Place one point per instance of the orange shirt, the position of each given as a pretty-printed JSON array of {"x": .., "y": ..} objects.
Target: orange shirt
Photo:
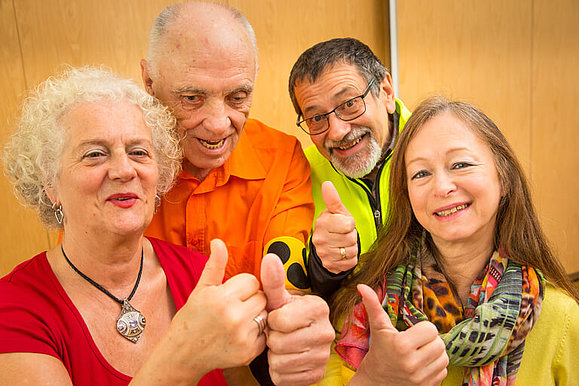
[{"x": 263, "y": 191}]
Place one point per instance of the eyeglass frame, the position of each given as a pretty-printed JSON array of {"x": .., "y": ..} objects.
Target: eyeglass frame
[{"x": 326, "y": 115}]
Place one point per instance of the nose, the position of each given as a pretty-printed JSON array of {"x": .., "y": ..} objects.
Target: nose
[
  {"x": 217, "y": 119},
  {"x": 121, "y": 168},
  {"x": 444, "y": 184},
  {"x": 337, "y": 128}
]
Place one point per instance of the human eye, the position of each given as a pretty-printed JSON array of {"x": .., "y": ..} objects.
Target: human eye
[
  {"x": 419, "y": 174},
  {"x": 349, "y": 107},
  {"x": 93, "y": 154},
  {"x": 317, "y": 118},
  {"x": 191, "y": 101},
  {"x": 139, "y": 153},
  {"x": 237, "y": 98},
  {"x": 460, "y": 165}
]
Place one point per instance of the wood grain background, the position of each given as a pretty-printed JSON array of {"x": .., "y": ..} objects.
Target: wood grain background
[{"x": 515, "y": 59}]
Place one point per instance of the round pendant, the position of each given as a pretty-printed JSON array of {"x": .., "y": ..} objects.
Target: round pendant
[{"x": 130, "y": 323}]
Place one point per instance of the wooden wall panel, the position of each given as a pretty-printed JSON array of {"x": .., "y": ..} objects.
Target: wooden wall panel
[
  {"x": 517, "y": 60},
  {"x": 22, "y": 234},
  {"x": 285, "y": 29},
  {"x": 476, "y": 51},
  {"x": 115, "y": 33},
  {"x": 554, "y": 123}
]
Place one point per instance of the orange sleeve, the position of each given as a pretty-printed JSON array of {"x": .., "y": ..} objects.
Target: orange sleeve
[
  {"x": 291, "y": 221},
  {"x": 294, "y": 213}
]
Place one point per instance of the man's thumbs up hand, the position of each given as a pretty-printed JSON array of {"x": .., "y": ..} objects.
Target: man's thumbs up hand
[{"x": 335, "y": 236}]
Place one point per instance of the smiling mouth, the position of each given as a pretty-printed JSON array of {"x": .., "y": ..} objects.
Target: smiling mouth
[
  {"x": 212, "y": 145},
  {"x": 351, "y": 144},
  {"x": 445, "y": 213}
]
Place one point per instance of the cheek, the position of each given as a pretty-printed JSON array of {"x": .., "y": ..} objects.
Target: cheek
[
  {"x": 186, "y": 120},
  {"x": 417, "y": 203}
]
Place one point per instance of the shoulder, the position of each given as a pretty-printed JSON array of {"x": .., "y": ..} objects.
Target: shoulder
[
  {"x": 36, "y": 315},
  {"x": 554, "y": 340},
  {"x": 26, "y": 275},
  {"x": 558, "y": 306}
]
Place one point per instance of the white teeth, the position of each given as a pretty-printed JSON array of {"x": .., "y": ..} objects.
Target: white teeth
[
  {"x": 212, "y": 145},
  {"x": 448, "y": 212},
  {"x": 350, "y": 145}
]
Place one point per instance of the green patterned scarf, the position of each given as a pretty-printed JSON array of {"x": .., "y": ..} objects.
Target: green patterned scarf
[{"x": 486, "y": 336}]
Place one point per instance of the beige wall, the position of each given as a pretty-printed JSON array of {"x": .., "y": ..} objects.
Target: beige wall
[
  {"x": 38, "y": 36},
  {"x": 517, "y": 60}
]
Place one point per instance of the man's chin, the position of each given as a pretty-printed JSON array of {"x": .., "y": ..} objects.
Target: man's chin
[{"x": 352, "y": 167}]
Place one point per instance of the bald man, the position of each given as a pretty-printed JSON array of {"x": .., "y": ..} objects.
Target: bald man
[{"x": 242, "y": 181}]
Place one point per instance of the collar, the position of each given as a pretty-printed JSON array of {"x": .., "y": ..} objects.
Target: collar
[{"x": 244, "y": 162}]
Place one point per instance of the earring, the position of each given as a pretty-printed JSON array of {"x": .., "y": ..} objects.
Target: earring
[
  {"x": 157, "y": 202},
  {"x": 58, "y": 214}
]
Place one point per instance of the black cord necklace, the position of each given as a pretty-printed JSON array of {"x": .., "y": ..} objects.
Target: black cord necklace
[{"x": 130, "y": 323}]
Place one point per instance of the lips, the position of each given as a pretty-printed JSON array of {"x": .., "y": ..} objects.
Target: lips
[
  {"x": 451, "y": 211},
  {"x": 347, "y": 143},
  {"x": 212, "y": 145},
  {"x": 123, "y": 200},
  {"x": 351, "y": 144}
]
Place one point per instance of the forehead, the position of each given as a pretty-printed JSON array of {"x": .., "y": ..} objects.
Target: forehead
[
  {"x": 332, "y": 86},
  {"x": 208, "y": 53},
  {"x": 105, "y": 120},
  {"x": 443, "y": 134}
]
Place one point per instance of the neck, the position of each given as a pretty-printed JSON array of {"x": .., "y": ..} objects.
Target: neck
[
  {"x": 387, "y": 147},
  {"x": 112, "y": 263},
  {"x": 196, "y": 172},
  {"x": 463, "y": 263}
]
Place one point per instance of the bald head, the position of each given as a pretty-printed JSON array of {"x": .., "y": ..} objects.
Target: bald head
[
  {"x": 211, "y": 26},
  {"x": 202, "y": 64}
]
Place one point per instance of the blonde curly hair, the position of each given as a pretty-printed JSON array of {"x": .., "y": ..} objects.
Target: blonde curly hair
[{"x": 32, "y": 155}]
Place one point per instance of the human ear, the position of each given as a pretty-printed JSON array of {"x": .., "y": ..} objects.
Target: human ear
[
  {"x": 145, "y": 75},
  {"x": 387, "y": 94}
]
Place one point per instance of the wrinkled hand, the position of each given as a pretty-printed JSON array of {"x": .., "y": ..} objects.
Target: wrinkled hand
[
  {"x": 299, "y": 333},
  {"x": 335, "y": 228},
  {"x": 413, "y": 357},
  {"x": 216, "y": 324}
]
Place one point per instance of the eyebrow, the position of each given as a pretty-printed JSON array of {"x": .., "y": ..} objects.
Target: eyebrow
[
  {"x": 191, "y": 90},
  {"x": 337, "y": 95},
  {"x": 104, "y": 142},
  {"x": 450, "y": 151}
]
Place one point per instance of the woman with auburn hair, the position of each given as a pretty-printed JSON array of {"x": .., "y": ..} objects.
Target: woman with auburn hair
[{"x": 461, "y": 286}]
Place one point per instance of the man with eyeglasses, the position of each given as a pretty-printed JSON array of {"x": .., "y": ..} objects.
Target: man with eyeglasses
[{"x": 345, "y": 101}]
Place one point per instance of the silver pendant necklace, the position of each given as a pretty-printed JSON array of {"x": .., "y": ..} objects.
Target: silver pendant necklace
[{"x": 130, "y": 323}]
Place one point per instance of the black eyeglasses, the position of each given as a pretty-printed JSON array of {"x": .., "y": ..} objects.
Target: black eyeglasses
[{"x": 346, "y": 111}]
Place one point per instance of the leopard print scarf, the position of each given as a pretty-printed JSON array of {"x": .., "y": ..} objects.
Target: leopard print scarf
[{"x": 486, "y": 336}]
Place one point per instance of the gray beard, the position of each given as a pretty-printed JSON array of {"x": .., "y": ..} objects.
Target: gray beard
[{"x": 360, "y": 164}]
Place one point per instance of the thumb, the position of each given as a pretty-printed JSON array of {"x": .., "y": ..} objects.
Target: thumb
[
  {"x": 377, "y": 317},
  {"x": 273, "y": 282},
  {"x": 215, "y": 268},
  {"x": 332, "y": 199}
]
